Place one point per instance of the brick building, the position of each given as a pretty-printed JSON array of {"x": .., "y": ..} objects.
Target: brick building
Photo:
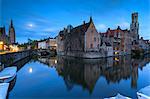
[
  {"x": 119, "y": 39},
  {"x": 79, "y": 41}
]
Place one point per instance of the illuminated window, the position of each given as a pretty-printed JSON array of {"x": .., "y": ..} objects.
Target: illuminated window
[
  {"x": 1, "y": 42},
  {"x": 116, "y": 59},
  {"x": 116, "y": 53}
]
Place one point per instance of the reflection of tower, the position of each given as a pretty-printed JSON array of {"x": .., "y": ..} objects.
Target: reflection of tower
[
  {"x": 134, "y": 27},
  {"x": 12, "y": 33},
  {"x": 134, "y": 77}
]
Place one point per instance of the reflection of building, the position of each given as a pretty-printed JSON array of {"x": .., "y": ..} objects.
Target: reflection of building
[
  {"x": 76, "y": 72},
  {"x": 86, "y": 72},
  {"x": 48, "y": 61}
]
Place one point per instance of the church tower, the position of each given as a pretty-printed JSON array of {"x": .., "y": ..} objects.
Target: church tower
[
  {"x": 12, "y": 33},
  {"x": 134, "y": 27}
]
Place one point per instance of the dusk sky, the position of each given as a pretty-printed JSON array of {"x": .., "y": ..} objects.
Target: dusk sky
[{"x": 38, "y": 19}]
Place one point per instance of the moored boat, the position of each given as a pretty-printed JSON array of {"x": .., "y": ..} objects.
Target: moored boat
[
  {"x": 8, "y": 74},
  {"x": 3, "y": 90},
  {"x": 118, "y": 96},
  {"x": 144, "y": 93}
]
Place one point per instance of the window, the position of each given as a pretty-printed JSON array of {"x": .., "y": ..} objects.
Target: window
[
  {"x": 135, "y": 24},
  {"x": 95, "y": 39},
  {"x": 98, "y": 46},
  {"x": 91, "y": 45}
]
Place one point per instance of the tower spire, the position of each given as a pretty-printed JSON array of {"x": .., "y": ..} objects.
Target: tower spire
[
  {"x": 11, "y": 23},
  {"x": 91, "y": 19},
  {"x": 12, "y": 37}
]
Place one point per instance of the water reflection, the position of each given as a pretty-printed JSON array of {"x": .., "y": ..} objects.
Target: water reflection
[
  {"x": 30, "y": 70},
  {"x": 50, "y": 61},
  {"x": 86, "y": 72}
]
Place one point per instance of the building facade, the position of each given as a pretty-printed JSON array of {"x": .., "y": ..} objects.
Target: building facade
[
  {"x": 12, "y": 35},
  {"x": 119, "y": 39},
  {"x": 85, "y": 41},
  {"x": 107, "y": 47},
  {"x": 81, "y": 41},
  {"x": 49, "y": 43},
  {"x": 134, "y": 28},
  {"x": 5, "y": 39}
]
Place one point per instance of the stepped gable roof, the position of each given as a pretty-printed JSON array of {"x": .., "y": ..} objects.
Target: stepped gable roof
[{"x": 113, "y": 31}]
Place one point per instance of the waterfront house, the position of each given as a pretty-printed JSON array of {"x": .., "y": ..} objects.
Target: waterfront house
[
  {"x": 143, "y": 44},
  {"x": 81, "y": 41},
  {"x": 107, "y": 47},
  {"x": 43, "y": 44},
  {"x": 49, "y": 43},
  {"x": 119, "y": 39}
]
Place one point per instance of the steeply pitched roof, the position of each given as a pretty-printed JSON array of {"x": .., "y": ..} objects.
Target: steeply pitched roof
[
  {"x": 79, "y": 29},
  {"x": 112, "y": 32}
]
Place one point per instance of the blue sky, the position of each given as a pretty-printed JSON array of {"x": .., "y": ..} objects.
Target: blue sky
[{"x": 37, "y": 19}]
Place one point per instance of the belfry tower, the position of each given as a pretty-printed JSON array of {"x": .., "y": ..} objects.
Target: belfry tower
[
  {"x": 12, "y": 36},
  {"x": 134, "y": 27}
]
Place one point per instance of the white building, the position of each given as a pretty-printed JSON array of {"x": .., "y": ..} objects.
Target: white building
[
  {"x": 107, "y": 48},
  {"x": 49, "y": 43},
  {"x": 42, "y": 44}
]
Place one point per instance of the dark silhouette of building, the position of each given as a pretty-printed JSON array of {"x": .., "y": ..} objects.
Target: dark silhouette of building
[{"x": 12, "y": 33}]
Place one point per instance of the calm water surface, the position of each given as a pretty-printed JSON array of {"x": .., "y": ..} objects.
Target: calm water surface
[{"x": 61, "y": 77}]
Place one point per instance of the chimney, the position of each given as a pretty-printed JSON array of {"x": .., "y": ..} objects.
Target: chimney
[
  {"x": 118, "y": 28},
  {"x": 91, "y": 19},
  {"x": 83, "y": 22}
]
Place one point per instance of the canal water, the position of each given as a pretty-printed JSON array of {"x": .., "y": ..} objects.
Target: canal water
[{"x": 67, "y": 77}]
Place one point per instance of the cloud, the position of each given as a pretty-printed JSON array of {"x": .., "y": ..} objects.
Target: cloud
[
  {"x": 50, "y": 29},
  {"x": 124, "y": 25},
  {"x": 101, "y": 27}
]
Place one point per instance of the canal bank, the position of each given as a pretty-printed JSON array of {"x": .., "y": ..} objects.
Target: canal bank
[{"x": 11, "y": 58}]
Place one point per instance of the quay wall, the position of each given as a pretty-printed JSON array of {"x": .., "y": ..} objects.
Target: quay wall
[
  {"x": 10, "y": 58},
  {"x": 89, "y": 55}
]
